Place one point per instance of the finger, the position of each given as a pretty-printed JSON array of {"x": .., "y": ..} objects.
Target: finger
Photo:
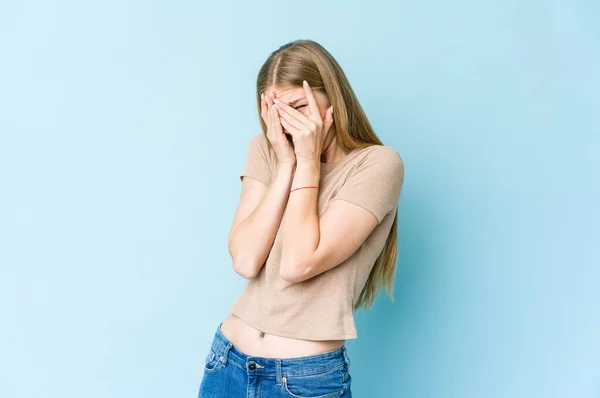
[
  {"x": 291, "y": 111},
  {"x": 291, "y": 129},
  {"x": 292, "y": 121},
  {"x": 278, "y": 128},
  {"x": 274, "y": 123},
  {"x": 269, "y": 97},
  {"x": 312, "y": 101}
]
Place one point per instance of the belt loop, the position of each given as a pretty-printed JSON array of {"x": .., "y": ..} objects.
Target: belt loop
[
  {"x": 346, "y": 356},
  {"x": 278, "y": 371},
  {"x": 226, "y": 352}
]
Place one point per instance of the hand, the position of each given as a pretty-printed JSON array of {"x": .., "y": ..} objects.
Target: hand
[
  {"x": 282, "y": 147},
  {"x": 308, "y": 133}
]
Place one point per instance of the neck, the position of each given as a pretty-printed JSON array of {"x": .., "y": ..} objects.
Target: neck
[{"x": 332, "y": 152}]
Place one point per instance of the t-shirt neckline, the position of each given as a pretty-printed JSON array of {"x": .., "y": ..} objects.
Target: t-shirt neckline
[{"x": 329, "y": 167}]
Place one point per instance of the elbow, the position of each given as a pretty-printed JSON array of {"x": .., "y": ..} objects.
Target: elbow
[
  {"x": 246, "y": 268},
  {"x": 292, "y": 272}
]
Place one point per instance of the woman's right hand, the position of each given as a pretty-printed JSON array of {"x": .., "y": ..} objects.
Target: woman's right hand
[{"x": 281, "y": 145}]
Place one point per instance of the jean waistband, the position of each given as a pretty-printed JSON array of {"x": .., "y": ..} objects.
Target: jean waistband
[{"x": 298, "y": 366}]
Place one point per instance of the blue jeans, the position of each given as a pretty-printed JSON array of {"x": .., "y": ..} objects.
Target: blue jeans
[{"x": 230, "y": 373}]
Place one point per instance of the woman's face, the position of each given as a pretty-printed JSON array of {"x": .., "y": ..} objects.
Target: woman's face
[{"x": 296, "y": 98}]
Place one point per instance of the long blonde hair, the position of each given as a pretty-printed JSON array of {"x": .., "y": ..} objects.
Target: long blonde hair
[{"x": 307, "y": 60}]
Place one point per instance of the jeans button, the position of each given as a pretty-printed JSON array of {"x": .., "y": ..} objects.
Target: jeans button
[{"x": 251, "y": 366}]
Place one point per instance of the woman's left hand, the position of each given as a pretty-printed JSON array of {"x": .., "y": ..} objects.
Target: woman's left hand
[{"x": 308, "y": 133}]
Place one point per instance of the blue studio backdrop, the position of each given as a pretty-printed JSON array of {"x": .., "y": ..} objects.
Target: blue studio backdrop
[{"x": 124, "y": 126}]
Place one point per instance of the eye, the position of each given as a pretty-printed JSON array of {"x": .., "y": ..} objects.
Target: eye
[{"x": 298, "y": 107}]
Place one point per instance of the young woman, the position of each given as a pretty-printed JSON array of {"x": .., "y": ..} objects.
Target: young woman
[{"x": 315, "y": 234}]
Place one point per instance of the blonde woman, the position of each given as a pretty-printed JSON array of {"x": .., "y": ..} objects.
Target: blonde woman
[{"x": 315, "y": 234}]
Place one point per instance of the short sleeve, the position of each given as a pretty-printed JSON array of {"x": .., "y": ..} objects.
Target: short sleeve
[
  {"x": 375, "y": 183},
  {"x": 257, "y": 164}
]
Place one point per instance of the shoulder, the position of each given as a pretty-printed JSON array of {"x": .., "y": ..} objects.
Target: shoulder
[
  {"x": 381, "y": 157},
  {"x": 259, "y": 144},
  {"x": 259, "y": 140},
  {"x": 375, "y": 180},
  {"x": 387, "y": 153}
]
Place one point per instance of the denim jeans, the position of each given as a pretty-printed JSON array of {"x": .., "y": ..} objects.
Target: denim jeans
[{"x": 230, "y": 373}]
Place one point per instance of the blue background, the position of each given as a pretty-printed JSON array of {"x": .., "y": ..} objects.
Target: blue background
[{"x": 124, "y": 126}]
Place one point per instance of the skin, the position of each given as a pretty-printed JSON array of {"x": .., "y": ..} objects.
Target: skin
[
  {"x": 294, "y": 118},
  {"x": 311, "y": 244}
]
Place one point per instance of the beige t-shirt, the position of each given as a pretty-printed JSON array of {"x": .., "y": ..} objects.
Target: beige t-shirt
[{"x": 321, "y": 308}]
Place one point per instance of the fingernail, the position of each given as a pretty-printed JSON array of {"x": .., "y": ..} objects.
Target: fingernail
[
  {"x": 305, "y": 82},
  {"x": 276, "y": 100}
]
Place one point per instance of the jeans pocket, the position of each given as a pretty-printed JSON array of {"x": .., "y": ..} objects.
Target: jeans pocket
[
  {"x": 213, "y": 361},
  {"x": 327, "y": 384}
]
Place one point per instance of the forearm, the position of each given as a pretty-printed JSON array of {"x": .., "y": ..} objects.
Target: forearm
[
  {"x": 253, "y": 238},
  {"x": 300, "y": 227}
]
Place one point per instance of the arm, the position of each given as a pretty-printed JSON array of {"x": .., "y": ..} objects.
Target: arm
[
  {"x": 300, "y": 228},
  {"x": 264, "y": 194},
  {"x": 257, "y": 220},
  {"x": 312, "y": 245}
]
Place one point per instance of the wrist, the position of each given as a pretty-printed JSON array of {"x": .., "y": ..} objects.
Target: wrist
[
  {"x": 287, "y": 165},
  {"x": 307, "y": 163},
  {"x": 306, "y": 173},
  {"x": 285, "y": 169}
]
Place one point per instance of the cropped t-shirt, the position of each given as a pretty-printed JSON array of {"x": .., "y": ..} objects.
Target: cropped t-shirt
[{"x": 321, "y": 308}]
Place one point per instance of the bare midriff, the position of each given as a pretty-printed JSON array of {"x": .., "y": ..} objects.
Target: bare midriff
[{"x": 250, "y": 341}]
